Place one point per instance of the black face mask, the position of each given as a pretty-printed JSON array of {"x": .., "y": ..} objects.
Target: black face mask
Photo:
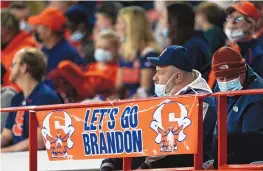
[{"x": 37, "y": 38}]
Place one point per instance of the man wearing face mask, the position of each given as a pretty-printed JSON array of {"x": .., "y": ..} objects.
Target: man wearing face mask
[
  {"x": 49, "y": 30},
  {"x": 240, "y": 27},
  {"x": 79, "y": 34},
  {"x": 176, "y": 76},
  {"x": 244, "y": 116}
]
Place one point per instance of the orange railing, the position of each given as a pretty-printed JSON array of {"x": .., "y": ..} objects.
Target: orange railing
[{"x": 198, "y": 158}]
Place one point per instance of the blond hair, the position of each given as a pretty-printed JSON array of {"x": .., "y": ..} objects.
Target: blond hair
[
  {"x": 139, "y": 34},
  {"x": 110, "y": 36}
]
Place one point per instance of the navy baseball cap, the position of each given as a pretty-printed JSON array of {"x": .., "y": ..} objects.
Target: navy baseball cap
[{"x": 177, "y": 56}]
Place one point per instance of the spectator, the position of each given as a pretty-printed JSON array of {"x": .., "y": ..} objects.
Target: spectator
[
  {"x": 21, "y": 11},
  {"x": 27, "y": 70},
  {"x": 210, "y": 19},
  {"x": 80, "y": 31},
  {"x": 98, "y": 78},
  {"x": 173, "y": 78},
  {"x": 244, "y": 116},
  {"x": 138, "y": 43},
  {"x": 181, "y": 21},
  {"x": 12, "y": 40},
  {"x": 259, "y": 34},
  {"x": 106, "y": 16},
  {"x": 50, "y": 27},
  {"x": 239, "y": 28}
]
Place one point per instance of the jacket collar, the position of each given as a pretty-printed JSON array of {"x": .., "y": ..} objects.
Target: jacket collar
[{"x": 198, "y": 84}]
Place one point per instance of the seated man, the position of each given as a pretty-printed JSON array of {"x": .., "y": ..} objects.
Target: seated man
[
  {"x": 245, "y": 119},
  {"x": 27, "y": 71},
  {"x": 174, "y": 78}
]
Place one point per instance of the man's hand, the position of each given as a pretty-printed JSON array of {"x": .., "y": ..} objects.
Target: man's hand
[{"x": 209, "y": 165}]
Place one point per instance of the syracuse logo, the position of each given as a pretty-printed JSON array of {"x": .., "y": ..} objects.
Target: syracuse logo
[
  {"x": 169, "y": 121},
  {"x": 57, "y": 131}
]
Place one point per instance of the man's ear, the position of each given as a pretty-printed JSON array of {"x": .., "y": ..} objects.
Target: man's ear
[
  {"x": 178, "y": 77},
  {"x": 23, "y": 68}
]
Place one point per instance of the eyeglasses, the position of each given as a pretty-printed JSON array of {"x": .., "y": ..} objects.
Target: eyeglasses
[{"x": 237, "y": 19}]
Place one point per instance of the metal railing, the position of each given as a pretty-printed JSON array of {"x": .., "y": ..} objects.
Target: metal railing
[{"x": 198, "y": 158}]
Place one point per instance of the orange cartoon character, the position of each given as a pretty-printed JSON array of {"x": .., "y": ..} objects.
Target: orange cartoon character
[
  {"x": 57, "y": 131},
  {"x": 169, "y": 121}
]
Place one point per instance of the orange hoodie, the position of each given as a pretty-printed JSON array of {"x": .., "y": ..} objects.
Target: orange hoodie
[{"x": 22, "y": 40}]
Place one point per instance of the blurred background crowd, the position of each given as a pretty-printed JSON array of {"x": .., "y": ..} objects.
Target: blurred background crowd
[{"x": 97, "y": 50}]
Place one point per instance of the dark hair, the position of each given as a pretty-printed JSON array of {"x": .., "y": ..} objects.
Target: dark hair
[
  {"x": 9, "y": 21},
  {"x": 110, "y": 9},
  {"x": 215, "y": 14},
  {"x": 181, "y": 19},
  {"x": 36, "y": 62}
]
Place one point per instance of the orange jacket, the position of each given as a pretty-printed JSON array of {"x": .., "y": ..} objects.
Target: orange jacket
[
  {"x": 87, "y": 83},
  {"x": 22, "y": 40}
]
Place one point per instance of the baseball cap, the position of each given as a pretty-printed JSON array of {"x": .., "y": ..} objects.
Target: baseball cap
[
  {"x": 177, "y": 56},
  {"x": 246, "y": 8},
  {"x": 51, "y": 18},
  {"x": 77, "y": 14},
  {"x": 228, "y": 62}
]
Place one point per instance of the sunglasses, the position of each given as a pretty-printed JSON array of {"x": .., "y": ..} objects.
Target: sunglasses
[{"x": 237, "y": 19}]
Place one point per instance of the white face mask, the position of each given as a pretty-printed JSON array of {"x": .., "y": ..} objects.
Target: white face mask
[
  {"x": 77, "y": 36},
  {"x": 102, "y": 55},
  {"x": 23, "y": 25},
  {"x": 159, "y": 89},
  {"x": 235, "y": 35},
  {"x": 231, "y": 85},
  {"x": 165, "y": 32}
]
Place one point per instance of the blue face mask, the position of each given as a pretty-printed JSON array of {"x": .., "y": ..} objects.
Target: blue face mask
[
  {"x": 77, "y": 36},
  {"x": 24, "y": 26},
  {"x": 231, "y": 85}
]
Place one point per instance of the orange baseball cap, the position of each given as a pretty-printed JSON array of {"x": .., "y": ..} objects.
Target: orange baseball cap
[
  {"x": 51, "y": 18},
  {"x": 246, "y": 8}
]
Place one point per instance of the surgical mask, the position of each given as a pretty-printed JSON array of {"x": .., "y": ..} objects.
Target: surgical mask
[
  {"x": 165, "y": 32},
  {"x": 231, "y": 85},
  {"x": 77, "y": 36},
  {"x": 159, "y": 89},
  {"x": 235, "y": 35},
  {"x": 23, "y": 25},
  {"x": 102, "y": 55}
]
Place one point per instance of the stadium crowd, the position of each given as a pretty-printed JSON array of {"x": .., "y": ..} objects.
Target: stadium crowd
[{"x": 55, "y": 52}]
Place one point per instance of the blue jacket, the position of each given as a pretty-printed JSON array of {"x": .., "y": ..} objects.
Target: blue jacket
[
  {"x": 18, "y": 122},
  {"x": 63, "y": 50},
  {"x": 244, "y": 125},
  {"x": 253, "y": 54},
  {"x": 201, "y": 51},
  {"x": 198, "y": 86}
]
